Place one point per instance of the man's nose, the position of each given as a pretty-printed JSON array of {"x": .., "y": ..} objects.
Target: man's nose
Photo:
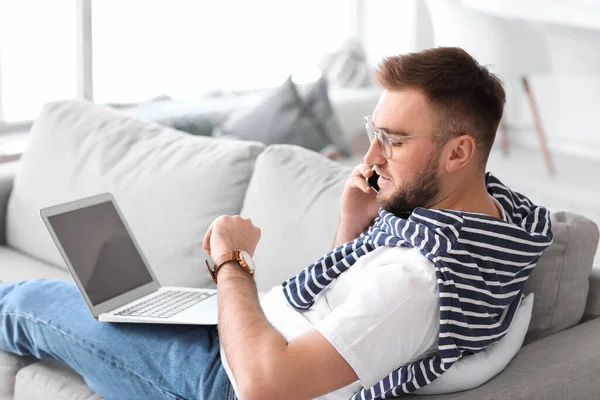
[{"x": 374, "y": 155}]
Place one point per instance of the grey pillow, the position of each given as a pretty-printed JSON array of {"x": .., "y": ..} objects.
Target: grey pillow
[
  {"x": 560, "y": 280},
  {"x": 284, "y": 117},
  {"x": 316, "y": 99}
]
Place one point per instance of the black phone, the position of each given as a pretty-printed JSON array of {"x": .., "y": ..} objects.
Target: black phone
[{"x": 372, "y": 181}]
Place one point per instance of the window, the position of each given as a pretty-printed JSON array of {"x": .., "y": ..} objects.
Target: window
[
  {"x": 185, "y": 48},
  {"x": 135, "y": 50},
  {"x": 38, "y": 57}
]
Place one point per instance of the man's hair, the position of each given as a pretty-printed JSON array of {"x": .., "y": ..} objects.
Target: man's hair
[{"x": 465, "y": 96}]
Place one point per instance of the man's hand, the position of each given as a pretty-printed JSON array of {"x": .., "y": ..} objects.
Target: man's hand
[
  {"x": 228, "y": 233},
  {"x": 359, "y": 205}
]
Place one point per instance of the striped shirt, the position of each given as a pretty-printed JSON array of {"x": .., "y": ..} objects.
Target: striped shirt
[{"x": 481, "y": 264}]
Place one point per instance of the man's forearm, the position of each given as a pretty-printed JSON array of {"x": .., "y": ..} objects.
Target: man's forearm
[{"x": 250, "y": 341}]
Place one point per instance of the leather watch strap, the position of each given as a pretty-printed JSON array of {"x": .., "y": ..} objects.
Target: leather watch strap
[
  {"x": 222, "y": 260},
  {"x": 235, "y": 255}
]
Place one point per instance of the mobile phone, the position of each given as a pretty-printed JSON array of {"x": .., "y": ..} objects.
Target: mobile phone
[{"x": 372, "y": 181}]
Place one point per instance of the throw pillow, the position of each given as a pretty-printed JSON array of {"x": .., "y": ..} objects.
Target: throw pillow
[
  {"x": 474, "y": 370},
  {"x": 284, "y": 117},
  {"x": 316, "y": 98}
]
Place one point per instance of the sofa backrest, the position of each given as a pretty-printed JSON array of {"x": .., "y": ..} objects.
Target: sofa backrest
[
  {"x": 560, "y": 281},
  {"x": 592, "y": 307},
  {"x": 169, "y": 185}
]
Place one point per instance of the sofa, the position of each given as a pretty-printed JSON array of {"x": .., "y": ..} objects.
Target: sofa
[{"x": 171, "y": 186}]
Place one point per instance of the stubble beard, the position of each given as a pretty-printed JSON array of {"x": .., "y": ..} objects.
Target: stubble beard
[{"x": 422, "y": 190}]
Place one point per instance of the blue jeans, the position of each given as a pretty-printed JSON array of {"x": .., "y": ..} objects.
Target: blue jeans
[{"x": 50, "y": 320}]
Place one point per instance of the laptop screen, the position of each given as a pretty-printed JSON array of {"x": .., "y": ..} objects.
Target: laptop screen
[{"x": 100, "y": 251}]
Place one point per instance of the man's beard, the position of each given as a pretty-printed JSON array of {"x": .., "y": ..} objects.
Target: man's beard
[{"x": 424, "y": 188}]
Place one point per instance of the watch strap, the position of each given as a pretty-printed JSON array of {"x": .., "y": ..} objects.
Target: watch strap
[{"x": 235, "y": 255}]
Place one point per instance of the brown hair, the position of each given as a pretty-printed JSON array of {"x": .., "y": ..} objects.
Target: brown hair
[{"x": 466, "y": 97}]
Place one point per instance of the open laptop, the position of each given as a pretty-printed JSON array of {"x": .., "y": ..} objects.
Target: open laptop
[{"x": 111, "y": 272}]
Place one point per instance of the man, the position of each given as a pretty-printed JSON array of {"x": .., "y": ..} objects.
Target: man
[{"x": 408, "y": 284}]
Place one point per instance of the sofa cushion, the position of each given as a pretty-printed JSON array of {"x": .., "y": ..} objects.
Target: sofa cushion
[
  {"x": 16, "y": 266},
  {"x": 51, "y": 380},
  {"x": 294, "y": 197},
  {"x": 10, "y": 364},
  {"x": 169, "y": 185},
  {"x": 561, "y": 278}
]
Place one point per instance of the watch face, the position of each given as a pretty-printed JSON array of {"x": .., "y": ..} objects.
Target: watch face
[{"x": 248, "y": 260}]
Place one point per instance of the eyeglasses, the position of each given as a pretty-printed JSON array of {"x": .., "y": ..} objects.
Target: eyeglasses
[{"x": 387, "y": 142}]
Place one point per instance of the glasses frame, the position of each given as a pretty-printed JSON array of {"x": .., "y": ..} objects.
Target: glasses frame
[{"x": 386, "y": 141}]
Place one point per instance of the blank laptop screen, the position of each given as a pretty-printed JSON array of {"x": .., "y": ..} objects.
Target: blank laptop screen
[{"x": 100, "y": 251}]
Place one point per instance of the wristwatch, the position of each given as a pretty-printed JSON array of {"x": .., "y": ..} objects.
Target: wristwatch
[{"x": 240, "y": 256}]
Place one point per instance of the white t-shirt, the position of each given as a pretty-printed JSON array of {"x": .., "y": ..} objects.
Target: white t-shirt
[{"x": 379, "y": 315}]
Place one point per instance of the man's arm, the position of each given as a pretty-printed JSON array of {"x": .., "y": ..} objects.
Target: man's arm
[
  {"x": 359, "y": 206},
  {"x": 345, "y": 234},
  {"x": 264, "y": 364}
]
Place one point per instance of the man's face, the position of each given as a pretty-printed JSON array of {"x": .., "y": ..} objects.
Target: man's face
[{"x": 411, "y": 178}]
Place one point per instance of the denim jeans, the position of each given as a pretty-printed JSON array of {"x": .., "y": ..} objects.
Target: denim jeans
[{"x": 50, "y": 320}]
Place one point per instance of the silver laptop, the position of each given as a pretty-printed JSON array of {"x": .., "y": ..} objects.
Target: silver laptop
[{"x": 111, "y": 272}]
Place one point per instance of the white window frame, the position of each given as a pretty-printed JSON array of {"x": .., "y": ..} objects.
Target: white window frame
[
  {"x": 85, "y": 86},
  {"x": 85, "y": 70}
]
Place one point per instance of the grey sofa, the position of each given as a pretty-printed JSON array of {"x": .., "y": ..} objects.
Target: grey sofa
[{"x": 171, "y": 185}]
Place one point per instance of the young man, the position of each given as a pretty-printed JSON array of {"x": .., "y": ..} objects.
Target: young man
[{"x": 428, "y": 269}]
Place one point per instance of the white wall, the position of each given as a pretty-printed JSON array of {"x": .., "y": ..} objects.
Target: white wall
[
  {"x": 394, "y": 27},
  {"x": 568, "y": 98}
]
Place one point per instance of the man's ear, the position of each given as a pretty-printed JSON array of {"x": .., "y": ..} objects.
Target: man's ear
[{"x": 460, "y": 151}]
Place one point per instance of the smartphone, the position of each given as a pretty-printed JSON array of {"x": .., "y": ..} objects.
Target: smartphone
[{"x": 372, "y": 181}]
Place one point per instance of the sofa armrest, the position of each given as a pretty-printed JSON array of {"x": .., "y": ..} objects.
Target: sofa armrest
[
  {"x": 7, "y": 174},
  {"x": 592, "y": 307},
  {"x": 565, "y": 365}
]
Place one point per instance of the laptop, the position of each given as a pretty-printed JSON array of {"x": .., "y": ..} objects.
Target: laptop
[{"x": 111, "y": 271}]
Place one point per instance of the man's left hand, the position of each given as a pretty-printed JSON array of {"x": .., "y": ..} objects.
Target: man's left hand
[{"x": 228, "y": 233}]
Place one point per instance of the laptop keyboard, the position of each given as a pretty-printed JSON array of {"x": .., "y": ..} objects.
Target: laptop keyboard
[{"x": 166, "y": 304}]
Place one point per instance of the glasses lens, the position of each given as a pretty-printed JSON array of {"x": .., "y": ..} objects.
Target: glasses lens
[
  {"x": 369, "y": 126},
  {"x": 384, "y": 144}
]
